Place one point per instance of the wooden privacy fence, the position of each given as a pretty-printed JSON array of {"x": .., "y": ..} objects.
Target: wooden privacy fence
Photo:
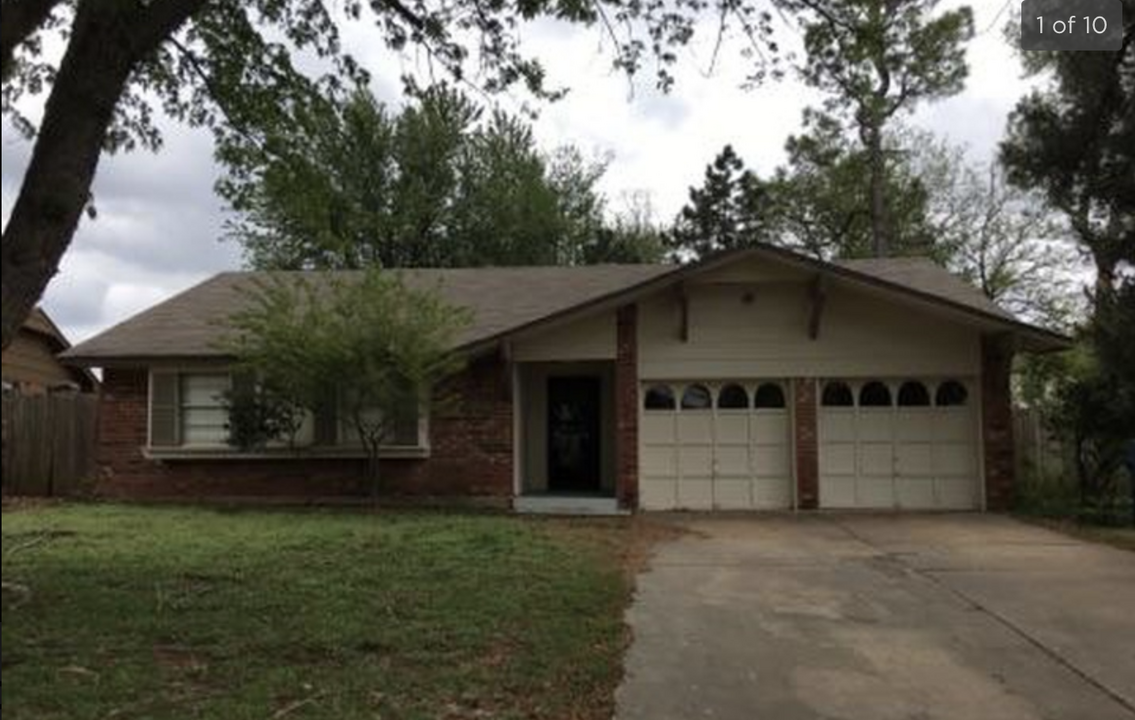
[{"x": 49, "y": 443}]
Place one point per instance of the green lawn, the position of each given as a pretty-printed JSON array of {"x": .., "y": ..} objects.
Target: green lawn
[
  {"x": 143, "y": 612},
  {"x": 1120, "y": 537}
]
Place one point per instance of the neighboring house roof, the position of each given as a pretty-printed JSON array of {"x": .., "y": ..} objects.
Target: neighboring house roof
[
  {"x": 38, "y": 322},
  {"x": 40, "y": 326},
  {"x": 508, "y": 300}
]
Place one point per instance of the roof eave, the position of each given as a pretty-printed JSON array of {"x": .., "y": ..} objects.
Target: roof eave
[{"x": 139, "y": 359}]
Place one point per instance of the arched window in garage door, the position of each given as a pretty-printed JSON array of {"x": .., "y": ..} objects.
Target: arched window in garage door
[
  {"x": 913, "y": 394},
  {"x": 733, "y": 397},
  {"x": 874, "y": 394},
  {"x": 768, "y": 396},
  {"x": 717, "y": 451},
  {"x": 697, "y": 397},
  {"x": 898, "y": 451},
  {"x": 659, "y": 397},
  {"x": 951, "y": 393},
  {"x": 837, "y": 394}
]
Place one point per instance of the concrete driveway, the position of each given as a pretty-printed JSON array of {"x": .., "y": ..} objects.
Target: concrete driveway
[{"x": 881, "y": 618}]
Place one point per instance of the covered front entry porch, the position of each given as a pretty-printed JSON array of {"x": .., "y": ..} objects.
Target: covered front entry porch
[{"x": 566, "y": 437}]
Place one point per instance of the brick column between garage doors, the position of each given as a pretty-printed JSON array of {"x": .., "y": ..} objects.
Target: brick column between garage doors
[
  {"x": 997, "y": 423},
  {"x": 626, "y": 406},
  {"x": 804, "y": 437}
]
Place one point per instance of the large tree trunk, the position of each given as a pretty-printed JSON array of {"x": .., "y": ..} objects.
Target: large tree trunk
[
  {"x": 107, "y": 42},
  {"x": 880, "y": 222}
]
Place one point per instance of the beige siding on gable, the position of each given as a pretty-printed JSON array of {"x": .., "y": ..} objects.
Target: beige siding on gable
[
  {"x": 591, "y": 338},
  {"x": 753, "y": 270},
  {"x": 760, "y": 329},
  {"x": 30, "y": 360}
]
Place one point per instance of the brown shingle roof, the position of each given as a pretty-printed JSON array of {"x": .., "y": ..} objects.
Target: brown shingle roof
[
  {"x": 501, "y": 298},
  {"x": 507, "y": 299},
  {"x": 925, "y": 275}
]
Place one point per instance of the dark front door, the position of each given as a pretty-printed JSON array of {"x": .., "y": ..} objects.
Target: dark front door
[{"x": 573, "y": 434}]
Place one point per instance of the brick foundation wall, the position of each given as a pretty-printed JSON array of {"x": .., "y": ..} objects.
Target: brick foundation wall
[
  {"x": 805, "y": 440},
  {"x": 997, "y": 423},
  {"x": 470, "y": 451},
  {"x": 626, "y": 406}
]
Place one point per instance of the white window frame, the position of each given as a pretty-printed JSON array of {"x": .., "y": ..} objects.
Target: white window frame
[
  {"x": 184, "y": 408},
  {"x": 340, "y": 447}
]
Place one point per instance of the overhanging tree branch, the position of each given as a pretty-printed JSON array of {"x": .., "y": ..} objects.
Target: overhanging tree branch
[{"x": 21, "y": 19}]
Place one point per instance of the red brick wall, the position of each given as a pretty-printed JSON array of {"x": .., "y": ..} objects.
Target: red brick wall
[
  {"x": 806, "y": 443},
  {"x": 470, "y": 439},
  {"x": 997, "y": 423},
  {"x": 626, "y": 406}
]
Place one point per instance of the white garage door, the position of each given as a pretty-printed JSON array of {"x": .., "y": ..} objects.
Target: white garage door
[
  {"x": 909, "y": 444},
  {"x": 719, "y": 445}
]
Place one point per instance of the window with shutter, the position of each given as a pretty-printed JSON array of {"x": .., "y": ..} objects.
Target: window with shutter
[
  {"x": 164, "y": 409},
  {"x": 188, "y": 409},
  {"x": 204, "y": 418}
]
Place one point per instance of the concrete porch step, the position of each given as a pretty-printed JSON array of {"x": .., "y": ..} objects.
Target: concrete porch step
[{"x": 567, "y": 505}]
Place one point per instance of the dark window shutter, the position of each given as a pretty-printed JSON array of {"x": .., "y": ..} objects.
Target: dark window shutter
[
  {"x": 164, "y": 409},
  {"x": 327, "y": 421}
]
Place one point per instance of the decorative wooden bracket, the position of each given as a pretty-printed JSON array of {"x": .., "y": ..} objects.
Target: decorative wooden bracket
[{"x": 818, "y": 294}]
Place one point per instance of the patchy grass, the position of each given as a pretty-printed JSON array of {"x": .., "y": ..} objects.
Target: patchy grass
[
  {"x": 189, "y": 612},
  {"x": 1120, "y": 537}
]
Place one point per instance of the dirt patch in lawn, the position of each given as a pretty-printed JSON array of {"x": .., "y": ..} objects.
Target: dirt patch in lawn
[
  {"x": 628, "y": 543},
  {"x": 631, "y": 540}
]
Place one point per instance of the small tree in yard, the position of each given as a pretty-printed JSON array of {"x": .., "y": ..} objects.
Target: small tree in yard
[
  {"x": 260, "y": 413},
  {"x": 364, "y": 342}
]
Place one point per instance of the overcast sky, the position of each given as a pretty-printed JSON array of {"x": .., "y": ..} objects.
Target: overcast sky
[{"x": 159, "y": 225}]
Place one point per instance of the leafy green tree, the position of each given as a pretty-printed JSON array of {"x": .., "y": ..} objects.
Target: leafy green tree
[
  {"x": 1090, "y": 416},
  {"x": 1007, "y": 241},
  {"x": 632, "y": 236},
  {"x": 434, "y": 186},
  {"x": 1114, "y": 341},
  {"x": 227, "y": 65},
  {"x": 506, "y": 210},
  {"x": 1087, "y": 396},
  {"x": 303, "y": 339},
  {"x": 729, "y": 210},
  {"x": 816, "y": 203},
  {"x": 821, "y": 206},
  {"x": 876, "y": 59},
  {"x": 1074, "y": 141}
]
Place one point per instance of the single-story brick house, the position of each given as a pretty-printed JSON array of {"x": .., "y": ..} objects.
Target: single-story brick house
[{"x": 752, "y": 379}]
